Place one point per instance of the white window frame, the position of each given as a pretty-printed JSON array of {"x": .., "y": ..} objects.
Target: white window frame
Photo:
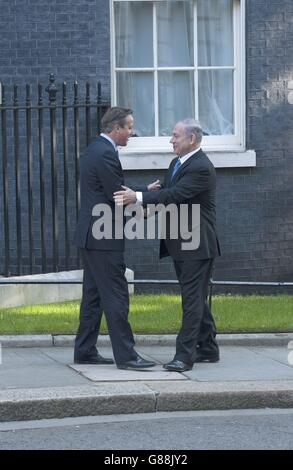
[{"x": 233, "y": 143}]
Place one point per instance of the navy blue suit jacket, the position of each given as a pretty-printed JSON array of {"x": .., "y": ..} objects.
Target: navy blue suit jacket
[
  {"x": 100, "y": 176},
  {"x": 194, "y": 183}
]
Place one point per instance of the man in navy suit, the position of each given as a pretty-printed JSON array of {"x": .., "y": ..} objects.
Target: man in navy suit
[
  {"x": 104, "y": 284},
  {"x": 190, "y": 180}
]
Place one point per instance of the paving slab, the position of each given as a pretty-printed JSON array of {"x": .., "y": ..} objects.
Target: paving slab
[
  {"x": 162, "y": 354},
  {"x": 33, "y": 368},
  {"x": 105, "y": 373},
  {"x": 243, "y": 364},
  {"x": 276, "y": 354}
]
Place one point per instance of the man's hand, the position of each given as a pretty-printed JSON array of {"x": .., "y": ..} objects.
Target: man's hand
[
  {"x": 125, "y": 197},
  {"x": 154, "y": 186}
]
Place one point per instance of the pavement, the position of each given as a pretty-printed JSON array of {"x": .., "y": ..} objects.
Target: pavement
[{"x": 38, "y": 379}]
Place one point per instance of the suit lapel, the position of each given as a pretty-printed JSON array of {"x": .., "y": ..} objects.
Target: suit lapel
[
  {"x": 169, "y": 174},
  {"x": 106, "y": 141},
  {"x": 184, "y": 165},
  {"x": 114, "y": 152}
]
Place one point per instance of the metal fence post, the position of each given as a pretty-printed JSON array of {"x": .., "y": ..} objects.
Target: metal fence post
[
  {"x": 5, "y": 182},
  {"x": 52, "y": 90},
  {"x": 42, "y": 177},
  {"x": 17, "y": 179}
]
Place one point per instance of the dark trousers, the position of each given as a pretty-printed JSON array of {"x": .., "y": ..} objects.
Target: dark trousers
[
  {"x": 105, "y": 290},
  {"x": 198, "y": 326}
]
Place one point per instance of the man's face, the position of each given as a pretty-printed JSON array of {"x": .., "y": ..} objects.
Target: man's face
[
  {"x": 124, "y": 132},
  {"x": 182, "y": 144}
]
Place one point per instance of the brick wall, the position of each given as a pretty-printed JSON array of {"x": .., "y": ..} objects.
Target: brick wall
[{"x": 67, "y": 38}]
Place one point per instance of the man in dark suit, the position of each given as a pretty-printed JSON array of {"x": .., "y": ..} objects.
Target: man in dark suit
[
  {"x": 190, "y": 180},
  {"x": 104, "y": 284}
]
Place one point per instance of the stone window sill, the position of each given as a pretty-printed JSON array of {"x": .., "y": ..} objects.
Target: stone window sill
[{"x": 161, "y": 161}]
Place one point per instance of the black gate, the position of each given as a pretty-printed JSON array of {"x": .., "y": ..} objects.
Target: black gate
[{"x": 40, "y": 150}]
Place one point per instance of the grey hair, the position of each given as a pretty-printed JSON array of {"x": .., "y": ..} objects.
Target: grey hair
[{"x": 191, "y": 126}]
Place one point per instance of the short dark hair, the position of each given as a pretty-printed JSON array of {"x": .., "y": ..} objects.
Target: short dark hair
[{"x": 114, "y": 116}]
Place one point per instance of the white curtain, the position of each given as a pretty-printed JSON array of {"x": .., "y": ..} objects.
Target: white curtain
[
  {"x": 134, "y": 48},
  {"x": 135, "y": 90},
  {"x": 134, "y": 34},
  {"x": 175, "y": 48},
  {"x": 215, "y": 48}
]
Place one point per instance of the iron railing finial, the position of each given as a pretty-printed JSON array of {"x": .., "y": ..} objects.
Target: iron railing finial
[{"x": 52, "y": 89}]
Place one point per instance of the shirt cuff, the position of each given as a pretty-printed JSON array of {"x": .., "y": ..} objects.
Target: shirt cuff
[{"x": 138, "y": 197}]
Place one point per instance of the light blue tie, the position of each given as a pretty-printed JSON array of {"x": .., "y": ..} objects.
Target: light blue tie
[{"x": 176, "y": 168}]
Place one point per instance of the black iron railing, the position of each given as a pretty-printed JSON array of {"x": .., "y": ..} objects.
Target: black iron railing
[{"x": 40, "y": 146}]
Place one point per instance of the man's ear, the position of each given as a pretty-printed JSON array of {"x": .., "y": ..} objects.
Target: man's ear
[{"x": 193, "y": 139}]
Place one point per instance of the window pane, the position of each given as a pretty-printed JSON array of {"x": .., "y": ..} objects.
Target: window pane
[
  {"x": 134, "y": 34},
  {"x": 176, "y": 99},
  {"x": 175, "y": 33},
  {"x": 216, "y": 104},
  {"x": 136, "y": 91},
  {"x": 215, "y": 32}
]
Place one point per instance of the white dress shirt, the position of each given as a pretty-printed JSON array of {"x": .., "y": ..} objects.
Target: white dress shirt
[{"x": 110, "y": 140}]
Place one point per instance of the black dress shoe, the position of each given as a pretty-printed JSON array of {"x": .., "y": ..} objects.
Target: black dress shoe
[
  {"x": 207, "y": 357},
  {"x": 177, "y": 366},
  {"x": 138, "y": 363},
  {"x": 97, "y": 359}
]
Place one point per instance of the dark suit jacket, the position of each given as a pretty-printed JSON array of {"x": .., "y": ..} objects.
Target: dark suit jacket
[
  {"x": 194, "y": 183},
  {"x": 100, "y": 176}
]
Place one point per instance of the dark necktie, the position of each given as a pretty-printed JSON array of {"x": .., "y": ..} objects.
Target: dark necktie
[{"x": 176, "y": 168}]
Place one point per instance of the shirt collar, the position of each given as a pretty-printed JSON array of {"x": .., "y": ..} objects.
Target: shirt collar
[
  {"x": 110, "y": 140},
  {"x": 188, "y": 155}
]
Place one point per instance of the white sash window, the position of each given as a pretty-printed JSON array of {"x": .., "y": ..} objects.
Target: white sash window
[{"x": 178, "y": 59}]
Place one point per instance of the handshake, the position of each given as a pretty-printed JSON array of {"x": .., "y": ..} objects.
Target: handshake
[{"x": 128, "y": 196}]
